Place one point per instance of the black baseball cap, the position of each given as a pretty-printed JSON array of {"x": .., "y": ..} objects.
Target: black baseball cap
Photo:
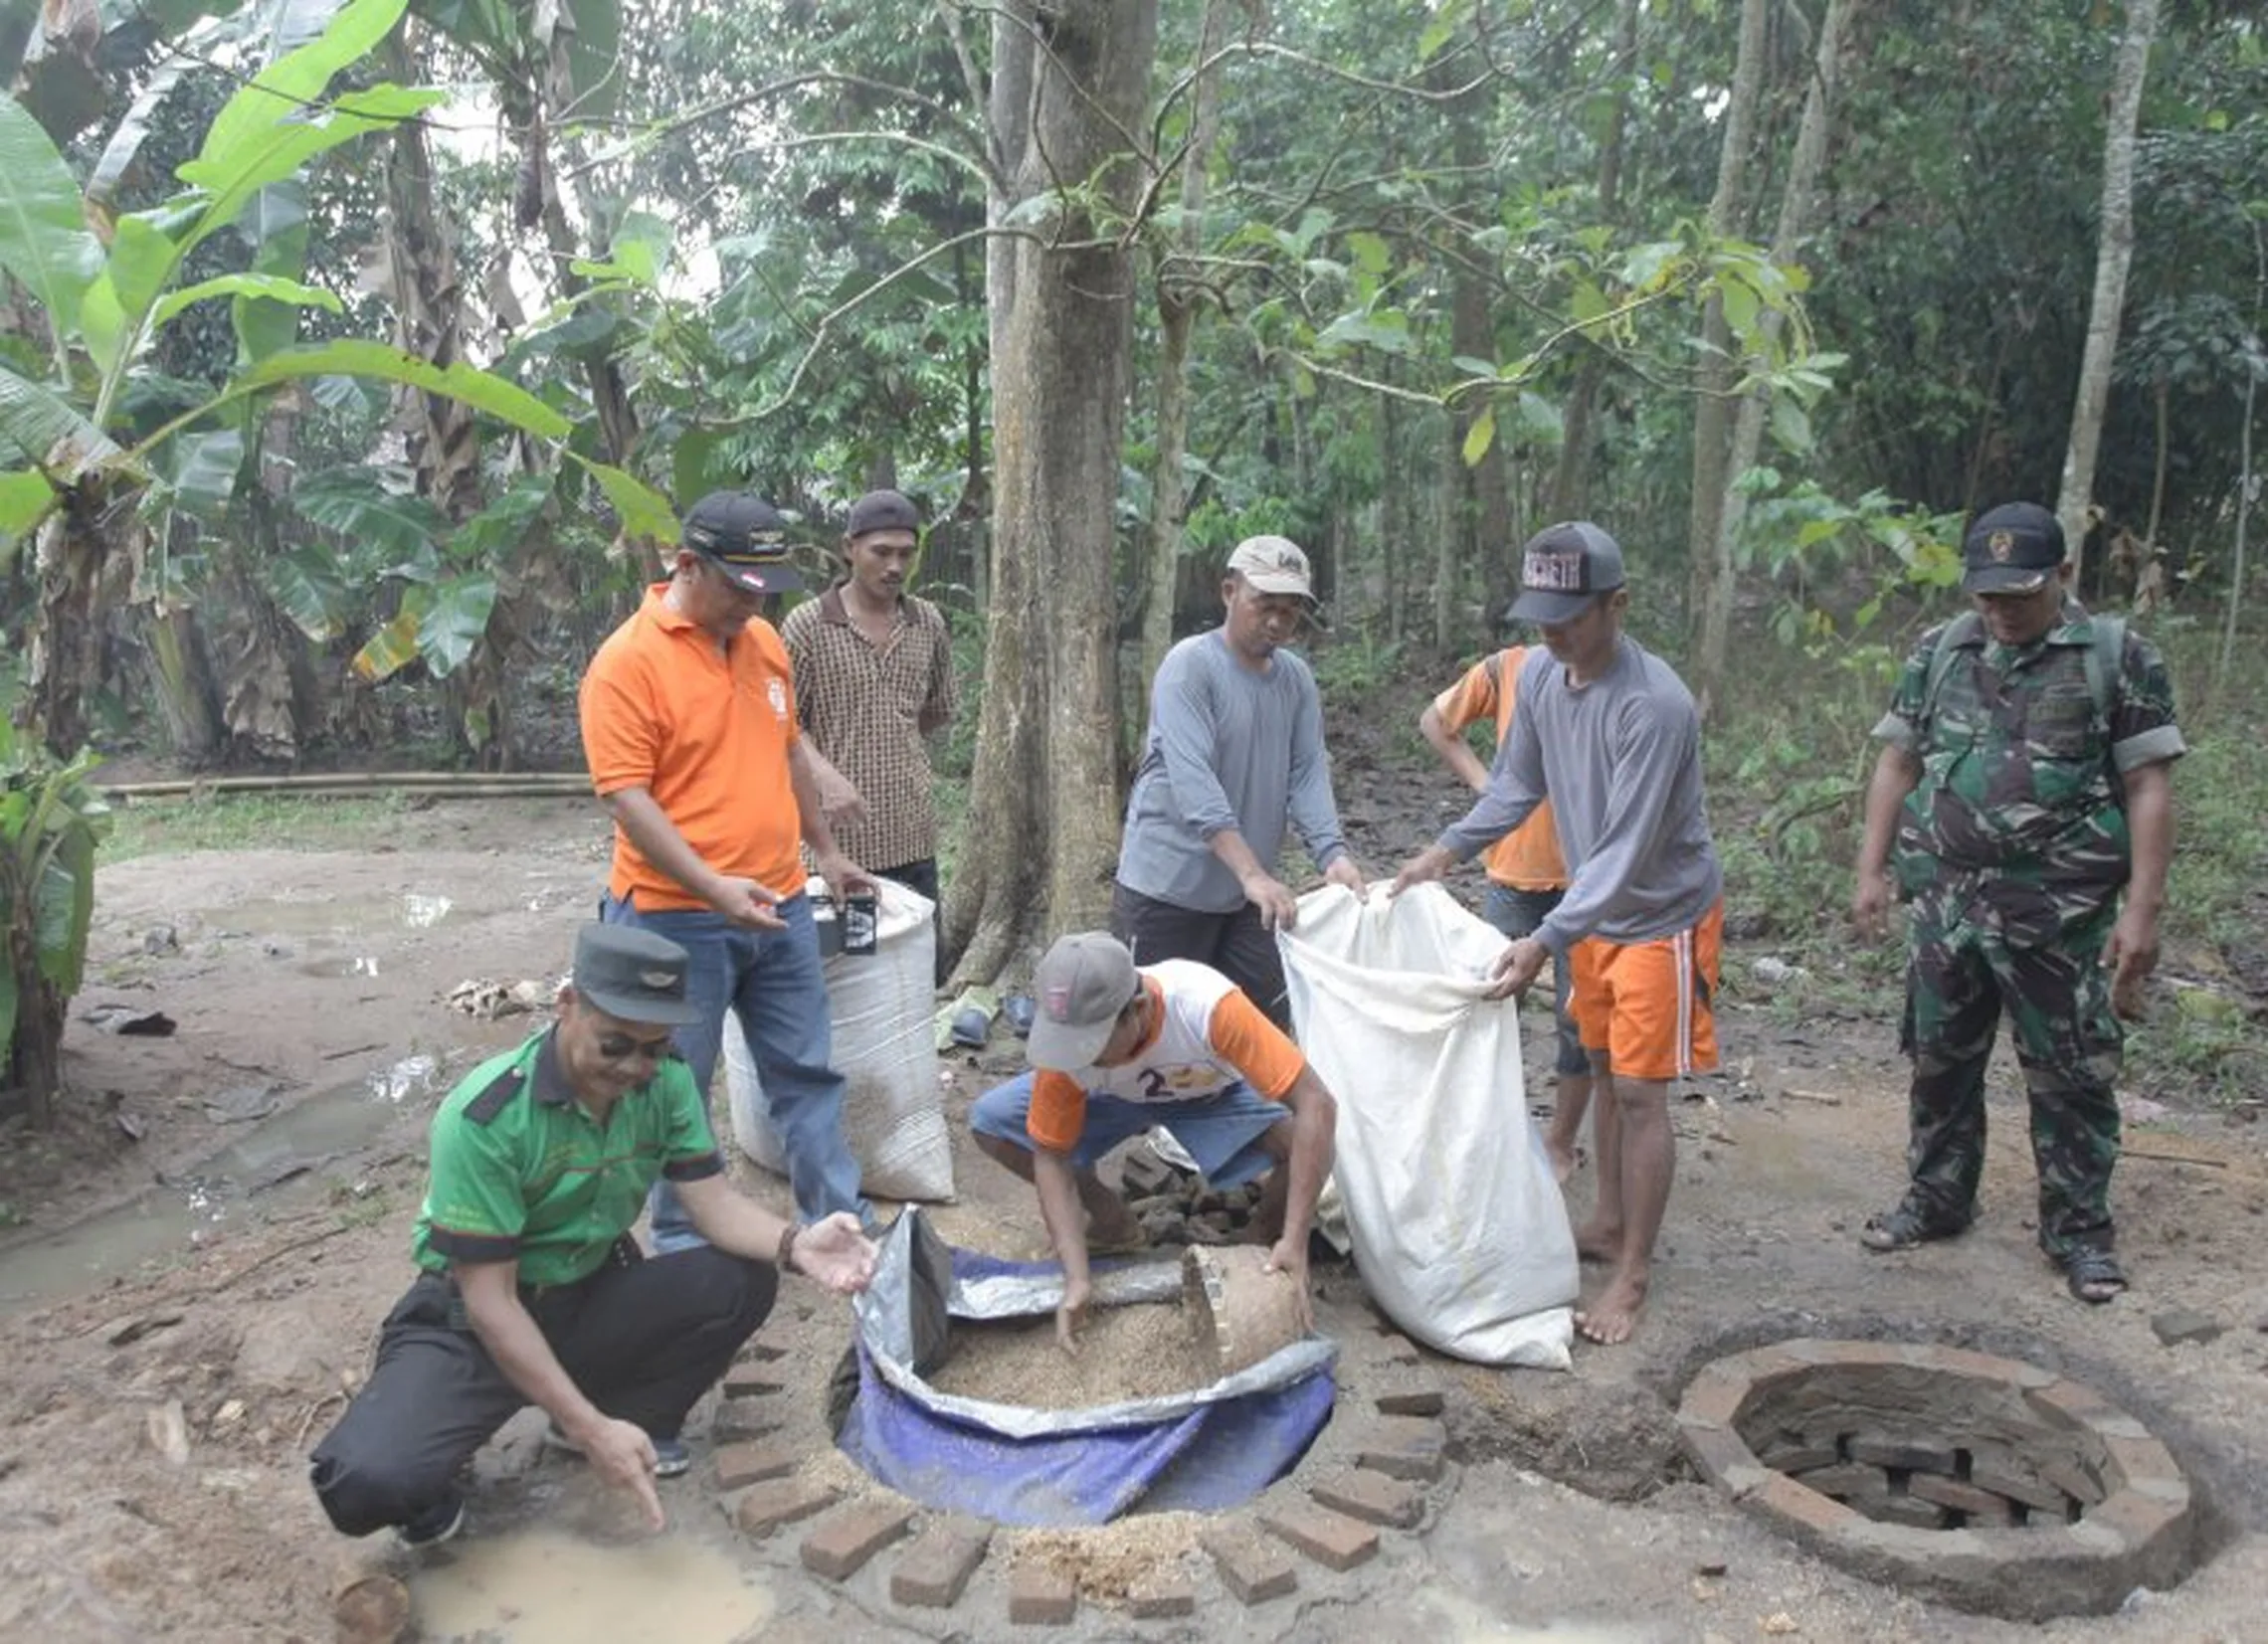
[
  {"x": 743, "y": 535},
  {"x": 632, "y": 975},
  {"x": 882, "y": 511},
  {"x": 2013, "y": 549},
  {"x": 1563, "y": 570}
]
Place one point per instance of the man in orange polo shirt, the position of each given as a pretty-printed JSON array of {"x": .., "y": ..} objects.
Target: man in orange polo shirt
[
  {"x": 690, "y": 728},
  {"x": 1526, "y": 875}
]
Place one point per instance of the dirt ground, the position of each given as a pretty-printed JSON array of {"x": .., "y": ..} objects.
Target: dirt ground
[{"x": 157, "y": 1401}]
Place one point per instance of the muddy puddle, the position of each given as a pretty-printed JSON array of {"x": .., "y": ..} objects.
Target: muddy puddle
[
  {"x": 280, "y": 1163},
  {"x": 550, "y": 1587}
]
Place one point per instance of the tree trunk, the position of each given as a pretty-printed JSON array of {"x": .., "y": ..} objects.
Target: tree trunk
[
  {"x": 34, "y": 1063},
  {"x": 1181, "y": 298},
  {"x": 1571, "y": 474},
  {"x": 81, "y": 559},
  {"x": 444, "y": 440},
  {"x": 1043, "y": 802},
  {"x": 1712, "y": 413},
  {"x": 2114, "y": 251},
  {"x": 1484, "y": 535},
  {"x": 181, "y": 678},
  {"x": 1747, "y": 429},
  {"x": 1454, "y": 532}
]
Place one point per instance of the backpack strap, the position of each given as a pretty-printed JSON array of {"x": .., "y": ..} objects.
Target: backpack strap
[
  {"x": 2106, "y": 661},
  {"x": 1954, "y": 637}
]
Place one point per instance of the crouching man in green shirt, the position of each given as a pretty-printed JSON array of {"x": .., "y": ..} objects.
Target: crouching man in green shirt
[{"x": 533, "y": 1291}]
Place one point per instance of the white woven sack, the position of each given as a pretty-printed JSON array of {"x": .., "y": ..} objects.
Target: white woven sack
[
  {"x": 881, "y": 1004},
  {"x": 1459, "y": 1229}
]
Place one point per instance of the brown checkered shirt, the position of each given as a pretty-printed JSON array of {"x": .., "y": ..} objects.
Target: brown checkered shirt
[{"x": 866, "y": 710}]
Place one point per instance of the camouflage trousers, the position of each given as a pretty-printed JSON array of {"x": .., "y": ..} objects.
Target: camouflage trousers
[{"x": 1963, "y": 972}]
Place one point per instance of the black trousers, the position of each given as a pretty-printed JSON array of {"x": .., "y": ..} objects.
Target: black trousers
[
  {"x": 642, "y": 1339},
  {"x": 1235, "y": 944}
]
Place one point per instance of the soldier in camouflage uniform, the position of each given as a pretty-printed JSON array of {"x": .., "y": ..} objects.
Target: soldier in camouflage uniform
[{"x": 2026, "y": 777}]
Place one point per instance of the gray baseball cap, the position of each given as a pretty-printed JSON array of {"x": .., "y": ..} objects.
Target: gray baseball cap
[
  {"x": 1563, "y": 570},
  {"x": 1079, "y": 989},
  {"x": 632, "y": 975}
]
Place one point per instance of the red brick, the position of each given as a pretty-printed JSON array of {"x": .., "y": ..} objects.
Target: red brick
[
  {"x": 2074, "y": 1480},
  {"x": 744, "y": 1382},
  {"x": 1890, "y": 1452},
  {"x": 1251, "y": 1569},
  {"x": 1040, "y": 1597},
  {"x": 1332, "y": 1539},
  {"x": 838, "y": 1549},
  {"x": 1372, "y": 1497},
  {"x": 780, "y": 1502},
  {"x": 739, "y": 1464},
  {"x": 1715, "y": 1396},
  {"x": 935, "y": 1571},
  {"x": 1403, "y": 1447},
  {"x": 1985, "y": 1509},
  {"x": 1845, "y": 1479},
  {"x": 1800, "y": 1510},
  {"x": 1410, "y": 1401},
  {"x": 1160, "y": 1596}
]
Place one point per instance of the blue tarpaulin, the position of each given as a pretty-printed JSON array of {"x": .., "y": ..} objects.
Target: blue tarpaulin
[{"x": 1202, "y": 1451}]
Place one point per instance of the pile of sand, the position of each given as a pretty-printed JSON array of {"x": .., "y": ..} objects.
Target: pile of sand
[{"x": 1141, "y": 1350}]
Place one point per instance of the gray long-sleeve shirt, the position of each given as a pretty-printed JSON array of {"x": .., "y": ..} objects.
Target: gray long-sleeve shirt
[
  {"x": 1229, "y": 747},
  {"x": 1620, "y": 759}
]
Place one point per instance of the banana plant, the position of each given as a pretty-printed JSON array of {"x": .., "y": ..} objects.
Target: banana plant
[
  {"x": 76, "y": 474},
  {"x": 51, "y": 818}
]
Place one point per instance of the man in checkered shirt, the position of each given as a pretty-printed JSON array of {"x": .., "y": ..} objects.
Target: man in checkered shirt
[{"x": 873, "y": 672}]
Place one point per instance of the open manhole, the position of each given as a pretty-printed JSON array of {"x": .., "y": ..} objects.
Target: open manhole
[{"x": 1988, "y": 1484}]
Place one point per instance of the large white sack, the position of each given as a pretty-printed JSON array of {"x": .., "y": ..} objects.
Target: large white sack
[
  {"x": 1459, "y": 1229},
  {"x": 882, "y": 1007}
]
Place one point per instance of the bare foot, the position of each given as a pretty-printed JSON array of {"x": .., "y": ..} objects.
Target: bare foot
[
  {"x": 1596, "y": 1243},
  {"x": 1564, "y": 1159},
  {"x": 1610, "y": 1318}
]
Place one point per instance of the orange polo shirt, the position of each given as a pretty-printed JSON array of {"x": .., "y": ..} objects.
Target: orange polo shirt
[
  {"x": 706, "y": 732},
  {"x": 1528, "y": 858}
]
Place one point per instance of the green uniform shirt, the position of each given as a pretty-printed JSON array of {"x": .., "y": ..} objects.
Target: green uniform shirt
[
  {"x": 2020, "y": 784},
  {"x": 520, "y": 1171}
]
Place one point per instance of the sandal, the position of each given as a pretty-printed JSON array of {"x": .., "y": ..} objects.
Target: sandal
[
  {"x": 2093, "y": 1275},
  {"x": 1903, "y": 1227}
]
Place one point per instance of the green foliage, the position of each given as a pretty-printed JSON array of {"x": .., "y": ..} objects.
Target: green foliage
[
  {"x": 50, "y": 821},
  {"x": 250, "y": 821},
  {"x": 1356, "y": 665}
]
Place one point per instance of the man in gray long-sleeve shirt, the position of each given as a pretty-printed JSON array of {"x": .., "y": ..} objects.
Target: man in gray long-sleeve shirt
[
  {"x": 1233, "y": 759},
  {"x": 1609, "y": 735}
]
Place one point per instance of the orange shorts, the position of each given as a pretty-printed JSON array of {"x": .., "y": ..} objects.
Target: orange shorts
[{"x": 1646, "y": 1005}]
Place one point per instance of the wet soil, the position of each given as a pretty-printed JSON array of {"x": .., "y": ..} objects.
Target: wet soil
[{"x": 156, "y": 1405}]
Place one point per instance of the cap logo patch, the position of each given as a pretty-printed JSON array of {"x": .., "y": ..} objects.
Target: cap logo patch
[
  {"x": 2001, "y": 544},
  {"x": 658, "y": 979},
  {"x": 1554, "y": 571},
  {"x": 1059, "y": 1005}
]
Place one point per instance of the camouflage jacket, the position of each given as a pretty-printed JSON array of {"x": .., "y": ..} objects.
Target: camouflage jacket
[{"x": 2021, "y": 772}]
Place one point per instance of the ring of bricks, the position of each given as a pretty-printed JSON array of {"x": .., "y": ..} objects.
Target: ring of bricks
[
  {"x": 1381, "y": 1467},
  {"x": 1988, "y": 1484}
]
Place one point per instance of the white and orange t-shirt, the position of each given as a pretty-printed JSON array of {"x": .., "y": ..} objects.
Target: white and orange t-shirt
[{"x": 1206, "y": 1037}]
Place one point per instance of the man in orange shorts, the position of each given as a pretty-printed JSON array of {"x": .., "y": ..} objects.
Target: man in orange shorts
[{"x": 1609, "y": 735}]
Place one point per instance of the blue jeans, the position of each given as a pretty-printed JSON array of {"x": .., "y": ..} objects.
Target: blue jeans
[
  {"x": 771, "y": 980},
  {"x": 1517, "y": 913}
]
